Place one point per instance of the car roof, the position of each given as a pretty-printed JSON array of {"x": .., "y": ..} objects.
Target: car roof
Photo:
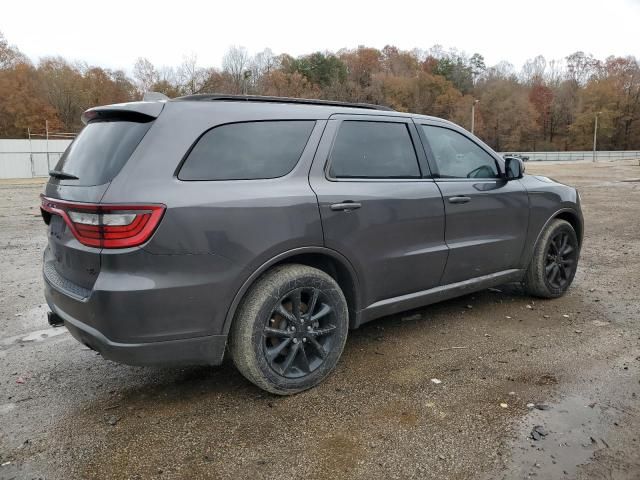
[
  {"x": 307, "y": 105},
  {"x": 266, "y": 105},
  {"x": 205, "y": 97}
]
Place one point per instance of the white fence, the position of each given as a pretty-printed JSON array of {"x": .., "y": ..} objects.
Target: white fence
[
  {"x": 577, "y": 156},
  {"x": 29, "y": 158}
]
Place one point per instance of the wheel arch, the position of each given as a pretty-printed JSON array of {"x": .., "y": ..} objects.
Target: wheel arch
[
  {"x": 573, "y": 218},
  {"x": 322, "y": 258},
  {"x": 567, "y": 214}
]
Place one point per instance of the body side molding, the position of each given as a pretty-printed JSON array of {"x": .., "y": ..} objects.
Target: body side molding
[{"x": 393, "y": 305}]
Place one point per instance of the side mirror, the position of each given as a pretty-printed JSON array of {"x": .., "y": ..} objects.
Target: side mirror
[{"x": 514, "y": 168}]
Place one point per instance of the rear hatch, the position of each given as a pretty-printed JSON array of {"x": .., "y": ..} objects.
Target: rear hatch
[{"x": 78, "y": 226}]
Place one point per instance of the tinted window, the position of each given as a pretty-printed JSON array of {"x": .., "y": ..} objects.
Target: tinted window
[
  {"x": 373, "y": 150},
  {"x": 245, "y": 151},
  {"x": 100, "y": 151},
  {"x": 458, "y": 157}
]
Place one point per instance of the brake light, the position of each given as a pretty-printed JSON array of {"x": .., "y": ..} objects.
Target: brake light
[{"x": 107, "y": 226}]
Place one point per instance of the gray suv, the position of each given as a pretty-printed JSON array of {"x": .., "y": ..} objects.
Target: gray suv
[{"x": 268, "y": 227}]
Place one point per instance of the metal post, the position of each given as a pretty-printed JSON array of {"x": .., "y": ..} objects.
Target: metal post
[
  {"x": 245, "y": 83},
  {"x": 33, "y": 171},
  {"x": 473, "y": 115},
  {"x": 46, "y": 127},
  {"x": 595, "y": 136}
]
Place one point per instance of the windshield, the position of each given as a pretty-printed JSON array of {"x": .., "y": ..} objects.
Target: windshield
[{"x": 100, "y": 151}]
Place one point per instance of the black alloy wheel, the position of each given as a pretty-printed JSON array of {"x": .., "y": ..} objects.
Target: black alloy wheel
[
  {"x": 290, "y": 329},
  {"x": 554, "y": 261},
  {"x": 299, "y": 333},
  {"x": 560, "y": 260}
]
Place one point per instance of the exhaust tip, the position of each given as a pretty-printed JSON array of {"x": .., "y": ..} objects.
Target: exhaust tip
[{"x": 54, "y": 320}]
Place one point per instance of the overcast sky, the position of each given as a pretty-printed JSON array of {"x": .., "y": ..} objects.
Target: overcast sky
[{"x": 114, "y": 33}]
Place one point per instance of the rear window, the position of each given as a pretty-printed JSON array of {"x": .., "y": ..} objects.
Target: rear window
[
  {"x": 247, "y": 151},
  {"x": 100, "y": 151}
]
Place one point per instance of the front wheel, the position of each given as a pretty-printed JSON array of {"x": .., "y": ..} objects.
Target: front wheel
[
  {"x": 554, "y": 262},
  {"x": 290, "y": 329}
]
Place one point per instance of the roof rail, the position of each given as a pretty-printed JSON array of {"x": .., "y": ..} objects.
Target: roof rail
[{"x": 204, "y": 97}]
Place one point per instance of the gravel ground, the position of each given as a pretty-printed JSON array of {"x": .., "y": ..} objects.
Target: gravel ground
[{"x": 67, "y": 413}]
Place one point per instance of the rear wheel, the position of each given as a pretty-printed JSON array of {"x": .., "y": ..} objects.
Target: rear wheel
[
  {"x": 290, "y": 329},
  {"x": 554, "y": 262}
]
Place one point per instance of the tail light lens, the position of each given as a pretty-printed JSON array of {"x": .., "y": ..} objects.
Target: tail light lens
[{"x": 106, "y": 226}]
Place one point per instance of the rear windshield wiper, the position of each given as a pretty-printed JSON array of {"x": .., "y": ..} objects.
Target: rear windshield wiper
[{"x": 62, "y": 175}]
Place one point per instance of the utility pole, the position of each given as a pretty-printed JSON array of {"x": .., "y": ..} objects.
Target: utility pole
[
  {"x": 246, "y": 76},
  {"x": 595, "y": 136},
  {"x": 46, "y": 128},
  {"x": 33, "y": 172},
  {"x": 473, "y": 115}
]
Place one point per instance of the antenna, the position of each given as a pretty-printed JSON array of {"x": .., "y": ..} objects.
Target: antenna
[{"x": 154, "y": 97}]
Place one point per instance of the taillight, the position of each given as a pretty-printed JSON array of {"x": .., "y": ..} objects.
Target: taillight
[{"x": 107, "y": 226}]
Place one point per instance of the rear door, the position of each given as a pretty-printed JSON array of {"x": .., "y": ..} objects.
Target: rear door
[
  {"x": 486, "y": 215},
  {"x": 377, "y": 209}
]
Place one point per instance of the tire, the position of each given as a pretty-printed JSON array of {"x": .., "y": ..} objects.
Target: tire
[
  {"x": 554, "y": 261},
  {"x": 262, "y": 343}
]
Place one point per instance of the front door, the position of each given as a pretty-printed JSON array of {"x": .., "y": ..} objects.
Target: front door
[
  {"x": 486, "y": 215},
  {"x": 376, "y": 207}
]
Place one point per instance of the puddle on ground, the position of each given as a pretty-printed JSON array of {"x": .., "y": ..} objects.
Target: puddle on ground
[
  {"x": 37, "y": 336},
  {"x": 575, "y": 428},
  {"x": 25, "y": 321},
  {"x": 6, "y": 407}
]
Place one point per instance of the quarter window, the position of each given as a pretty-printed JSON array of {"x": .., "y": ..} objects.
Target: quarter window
[
  {"x": 373, "y": 150},
  {"x": 458, "y": 157},
  {"x": 247, "y": 151}
]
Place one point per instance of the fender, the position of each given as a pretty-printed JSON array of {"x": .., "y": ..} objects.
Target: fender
[{"x": 283, "y": 256}]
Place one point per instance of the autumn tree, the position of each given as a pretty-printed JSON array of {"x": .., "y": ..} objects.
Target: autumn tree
[
  {"x": 546, "y": 105},
  {"x": 10, "y": 56},
  {"x": 191, "y": 76},
  {"x": 323, "y": 69},
  {"x": 103, "y": 87},
  {"x": 541, "y": 98},
  {"x": 282, "y": 84},
  {"x": 145, "y": 74},
  {"x": 533, "y": 71},
  {"x": 399, "y": 62},
  {"x": 457, "y": 70},
  {"x": 63, "y": 86},
  {"x": 23, "y": 103},
  {"x": 236, "y": 64},
  {"x": 614, "y": 95},
  {"x": 507, "y": 115}
]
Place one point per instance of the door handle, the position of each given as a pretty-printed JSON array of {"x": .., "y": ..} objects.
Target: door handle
[
  {"x": 459, "y": 199},
  {"x": 345, "y": 206}
]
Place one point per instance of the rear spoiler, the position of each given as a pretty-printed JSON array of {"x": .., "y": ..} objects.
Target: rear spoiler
[{"x": 134, "y": 111}]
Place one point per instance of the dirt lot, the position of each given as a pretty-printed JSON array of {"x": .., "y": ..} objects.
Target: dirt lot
[{"x": 67, "y": 413}]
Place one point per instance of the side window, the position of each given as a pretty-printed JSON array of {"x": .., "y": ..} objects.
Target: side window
[
  {"x": 373, "y": 150},
  {"x": 247, "y": 151},
  {"x": 458, "y": 157}
]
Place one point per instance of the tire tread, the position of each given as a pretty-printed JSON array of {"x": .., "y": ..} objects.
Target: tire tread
[
  {"x": 534, "y": 281},
  {"x": 241, "y": 345}
]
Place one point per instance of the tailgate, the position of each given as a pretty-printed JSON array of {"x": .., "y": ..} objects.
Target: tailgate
[
  {"x": 68, "y": 263},
  {"x": 81, "y": 177}
]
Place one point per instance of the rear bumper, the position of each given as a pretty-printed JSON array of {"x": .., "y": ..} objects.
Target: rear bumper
[
  {"x": 207, "y": 350},
  {"x": 150, "y": 317}
]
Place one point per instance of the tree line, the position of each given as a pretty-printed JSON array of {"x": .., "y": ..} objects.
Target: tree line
[{"x": 546, "y": 105}]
